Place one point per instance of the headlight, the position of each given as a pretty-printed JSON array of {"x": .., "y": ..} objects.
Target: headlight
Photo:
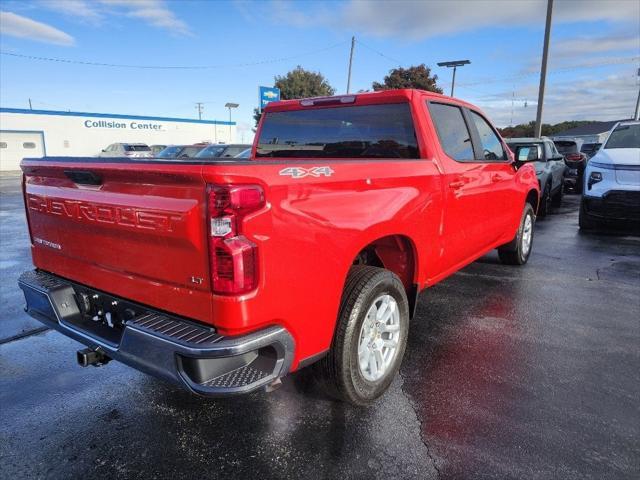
[{"x": 594, "y": 177}]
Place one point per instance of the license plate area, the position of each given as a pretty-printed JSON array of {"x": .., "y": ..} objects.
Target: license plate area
[{"x": 100, "y": 315}]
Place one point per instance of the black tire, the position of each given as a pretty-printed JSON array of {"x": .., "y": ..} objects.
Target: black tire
[
  {"x": 585, "y": 221},
  {"x": 545, "y": 201},
  {"x": 340, "y": 368},
  {"x": 556, "y": 199},
  {"x": 514, "y": 253}
]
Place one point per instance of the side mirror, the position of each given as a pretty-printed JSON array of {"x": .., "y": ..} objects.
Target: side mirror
[{"x": 528, "y": 153}]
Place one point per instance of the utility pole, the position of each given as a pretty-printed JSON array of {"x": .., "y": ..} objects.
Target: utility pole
[
  {"x": 30, "y": 107},
  {"x": 636, "y": 115},
  {"x": 231, "y": 105},
  {"x": 353, "y": 44},
  {"x": 455, "y": 64},
  {"x": 199, "y": 107},
  {"x": 513, "y": 99},
  {"x": 543, "y": 69}
]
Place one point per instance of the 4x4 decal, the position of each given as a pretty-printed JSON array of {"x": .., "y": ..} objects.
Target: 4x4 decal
[{"x": 299, "y": 172}]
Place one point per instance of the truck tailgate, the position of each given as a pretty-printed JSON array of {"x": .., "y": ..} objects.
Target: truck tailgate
[{"x": 136, "y": 229}]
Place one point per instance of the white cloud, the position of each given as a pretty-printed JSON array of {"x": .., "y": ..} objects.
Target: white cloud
[
  {"x": 152, "y": 12},
  {"x": 15, "y": 25},
  {"x": 76, "y": 8},
  {"x": 420, "y": 19},
  {"x": 595, "y": 97},
  {"x": 588, "y": 45}
]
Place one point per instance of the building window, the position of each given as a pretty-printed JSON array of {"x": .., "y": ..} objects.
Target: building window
[
  {"x": 3, "y": 144},
  {"x": 66, "y": 144},
  {"x": 28, "y": 145}
]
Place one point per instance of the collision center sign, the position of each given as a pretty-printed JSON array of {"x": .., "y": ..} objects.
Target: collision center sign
[
  {"x": 268, "y": 94},
  {"x": 133, "y": 125}
]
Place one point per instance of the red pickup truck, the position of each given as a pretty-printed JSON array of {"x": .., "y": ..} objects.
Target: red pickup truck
[{"x": 224, "y": 275}]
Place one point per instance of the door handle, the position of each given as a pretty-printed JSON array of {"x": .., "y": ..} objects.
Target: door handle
[{"x": 457, "y": 184}]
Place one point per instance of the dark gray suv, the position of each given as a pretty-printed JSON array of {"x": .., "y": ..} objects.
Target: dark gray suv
[{"x": 550, "y": 169}]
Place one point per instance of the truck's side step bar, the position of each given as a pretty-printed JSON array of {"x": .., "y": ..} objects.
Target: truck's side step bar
[{"x": 172, "y": 348}]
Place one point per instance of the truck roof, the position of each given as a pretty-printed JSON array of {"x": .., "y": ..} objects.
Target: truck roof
[{"x": 362, "y": 98}]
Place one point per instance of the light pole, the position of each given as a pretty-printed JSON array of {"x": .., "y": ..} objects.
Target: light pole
[
  {"x": 543, "y": 69},
  {"x": 230, "y": 106},
  {"x": 455, "y": 64}
]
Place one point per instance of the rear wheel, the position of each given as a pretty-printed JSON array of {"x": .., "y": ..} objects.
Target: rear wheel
[
  {"x": 370, "y": 336},
  {"x": 518, "y": 250}
]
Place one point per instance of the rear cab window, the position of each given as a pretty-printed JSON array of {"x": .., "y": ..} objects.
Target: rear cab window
[{"x": 358, "y": 131}]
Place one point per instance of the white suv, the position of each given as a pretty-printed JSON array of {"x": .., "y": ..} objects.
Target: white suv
[{"x": 612, "y": 180}]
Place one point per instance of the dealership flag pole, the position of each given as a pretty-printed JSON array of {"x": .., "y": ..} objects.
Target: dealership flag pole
[{"x": 543, "y": 70}]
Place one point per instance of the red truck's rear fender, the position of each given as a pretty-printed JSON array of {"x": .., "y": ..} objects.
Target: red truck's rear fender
[{"x": 311, "y": 231}]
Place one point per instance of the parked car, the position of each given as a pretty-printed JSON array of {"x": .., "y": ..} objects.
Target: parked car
[
  {"x": 155, "y": 149},
  {"x": 590, "y": 149},
  {"x": 225, "y": 276},
  {"x": 550, "y": 169},
  {"x": 182, "y": 151},
  {"x": 612, "y": 181},
  {"x": 131, "y": 150},
  {"x": 244, "y": 154},
  {"x": 222, "y": 151},
  {"x": 576, "y": 162}
]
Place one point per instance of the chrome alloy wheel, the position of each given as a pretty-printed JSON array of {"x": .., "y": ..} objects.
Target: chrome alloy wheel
[
  {"x": 527, "y": 235},
  {"x": 379, "y": 337}
]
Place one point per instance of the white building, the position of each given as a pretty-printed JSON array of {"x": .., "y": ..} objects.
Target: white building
[{"x": 37, "y": 133}]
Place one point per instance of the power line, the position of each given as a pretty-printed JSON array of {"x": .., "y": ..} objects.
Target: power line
[
  {"x": 394, "y": 60},
  {"x": 170, "y": 67}
]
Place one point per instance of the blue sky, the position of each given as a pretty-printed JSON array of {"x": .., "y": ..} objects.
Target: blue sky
[{"x": 594, "y": 60}]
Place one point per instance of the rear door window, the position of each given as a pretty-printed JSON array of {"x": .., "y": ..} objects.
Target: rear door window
[
  {"x": 362, "y": 131},
  {"x": 452, "y": 131},
  {"x": 490, "y": 142}
]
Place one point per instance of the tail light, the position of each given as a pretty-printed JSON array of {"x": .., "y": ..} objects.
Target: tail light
[
  {"x": 233, "y": 258},
  {"x": 573, "y": 157}
]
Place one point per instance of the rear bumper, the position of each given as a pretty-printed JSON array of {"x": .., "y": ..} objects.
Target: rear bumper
[{"x": 178, "y": 350}]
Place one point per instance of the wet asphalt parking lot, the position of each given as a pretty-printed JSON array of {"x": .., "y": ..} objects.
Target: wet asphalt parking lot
[{"x": 510, "y": 372}]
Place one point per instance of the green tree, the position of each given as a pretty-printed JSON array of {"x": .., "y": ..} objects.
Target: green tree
[
  {"x": 413, "y": 77},
  {"x": 527, "y": 129},
  {"x": 299, "y": 83}
]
